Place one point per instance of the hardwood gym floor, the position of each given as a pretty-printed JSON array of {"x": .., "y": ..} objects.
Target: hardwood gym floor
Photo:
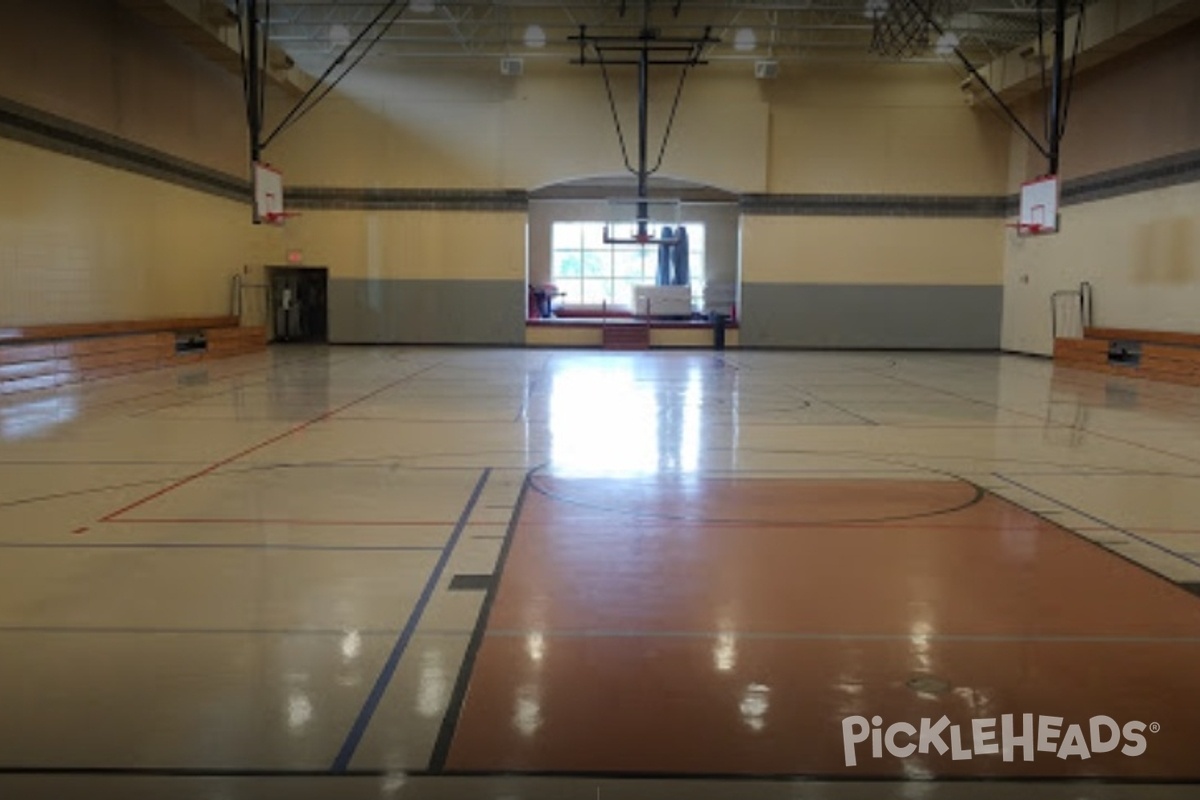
[{"x": 402, "y": 572}]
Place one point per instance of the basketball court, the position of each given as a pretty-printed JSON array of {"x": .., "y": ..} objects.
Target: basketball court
[
  {"x": 354, "y": 574},
  {"x": 599, "y": 401}
]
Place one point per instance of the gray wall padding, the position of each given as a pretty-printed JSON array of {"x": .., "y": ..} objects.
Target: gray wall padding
[
  {"x": 871, "y": 316},
  {"x": 426, "y": 311}
]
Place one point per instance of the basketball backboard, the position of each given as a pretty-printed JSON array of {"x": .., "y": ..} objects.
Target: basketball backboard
[
  {"x": 642, "y": 221},
  {"x": 268, "y": 195},
  {"x": 1039, "y": 206}
]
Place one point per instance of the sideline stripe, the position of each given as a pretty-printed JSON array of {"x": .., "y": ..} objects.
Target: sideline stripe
[
  {"x": 458, "y": 696},
  {"x": 342, "y": 761}
]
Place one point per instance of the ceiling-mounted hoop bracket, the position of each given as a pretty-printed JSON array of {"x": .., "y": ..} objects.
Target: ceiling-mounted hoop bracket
[
  {"x": 683, "y": 52},
  {"x": 644, "y": 240}
]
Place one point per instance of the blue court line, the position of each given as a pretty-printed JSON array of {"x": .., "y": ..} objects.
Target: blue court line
[
  {"x": 1189, "y": 561},
  {"x": 342, "y": 761}
]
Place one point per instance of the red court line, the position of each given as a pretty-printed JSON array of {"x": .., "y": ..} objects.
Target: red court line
[
  {"x": 110, "y": 517},
  {"x": 383, "y": 523}
]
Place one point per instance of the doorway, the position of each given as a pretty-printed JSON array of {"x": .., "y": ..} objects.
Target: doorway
[{"x": 297, "y": 298}]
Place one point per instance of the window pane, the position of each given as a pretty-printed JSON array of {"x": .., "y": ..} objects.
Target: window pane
[
  {"x": 596, "y": 263},
  {"x": 623, "y": 292},
  {"x": 566, "y": 235},
  {"x": 627, "y": 263},
  {"x": 593, "y": 235},
  {"x": 593, "y": 272},
  {"x": 597, "y": 291},
  {"x": 566, "y": 264},
  {"x": 569, "y": 290}
]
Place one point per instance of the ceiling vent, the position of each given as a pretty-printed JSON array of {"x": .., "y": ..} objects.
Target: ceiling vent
[
  {"x": 512, "y": 67},
  {"x": 764, "y": 70}
]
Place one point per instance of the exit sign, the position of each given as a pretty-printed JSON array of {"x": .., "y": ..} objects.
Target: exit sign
[{"x": 295, "y": 256}]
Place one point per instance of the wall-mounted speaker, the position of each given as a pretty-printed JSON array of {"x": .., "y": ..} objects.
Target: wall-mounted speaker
[{"x": 512, "y": 67}]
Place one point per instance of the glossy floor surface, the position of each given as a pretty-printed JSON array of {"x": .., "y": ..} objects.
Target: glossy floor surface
[{"x": 450, "y": 573}]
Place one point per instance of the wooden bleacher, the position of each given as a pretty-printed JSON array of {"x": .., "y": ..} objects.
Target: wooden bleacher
[
  {"x": 1157, "y": 355},
  {"x": 45, "y": 356}
]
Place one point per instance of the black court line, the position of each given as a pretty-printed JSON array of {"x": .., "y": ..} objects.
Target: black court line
[
  {"x": 81, "y": 492},
  {"x": 977, "y": 497},
  {"x": 471, "y": 583},
  {"x": 224, "y": 390},
  {"x": 616, "y": 776},
  {"x": 342, "y": 761},
  {"x": 72, "y": 630},
  {"x": 1089, "y": 431},
  {"x": 1105, "y": 546},
  {"x": 268, "y": 442},
  {"x": 458, "y": 696},
  {"x": 1098, "y": 521},
  {"x": 863, "y": 419}
]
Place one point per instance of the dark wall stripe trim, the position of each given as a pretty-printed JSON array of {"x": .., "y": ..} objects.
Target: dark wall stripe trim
[
  {"x": 864, "y": 205},
  {"x": 1161, "y": 173},
  {"x": 30, "y": 126},
  {"x": 307, "y": 197}
]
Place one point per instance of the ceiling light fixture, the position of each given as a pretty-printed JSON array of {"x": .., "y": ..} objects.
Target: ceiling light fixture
[
  {"x": 535, "y": 36},
  {"x": 745, "y": 40},
  {"x": 339, "y": 35},
  {"x": 946, "y": 44}
]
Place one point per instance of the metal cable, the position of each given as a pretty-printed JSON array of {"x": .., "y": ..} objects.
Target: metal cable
[
  {"x": 1071, "y": 75},
  {"x": 329, "y": 70},
  {"x": 662, "y": 150},
  {"x": 612, "y": 104}
]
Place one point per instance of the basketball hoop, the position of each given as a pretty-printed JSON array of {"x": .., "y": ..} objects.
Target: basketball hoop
[
  {"x": 613, "y": 236},
  {"x": 278, "y": 218},
  {"x": 1028, "y": 228},
  {"x": 643, "y": 221}
]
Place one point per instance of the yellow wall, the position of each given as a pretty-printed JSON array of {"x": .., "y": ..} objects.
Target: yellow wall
[
  {"x": 1137, "y": 107},
  {"x": 101, "y": 65},
  {"x": 593, "y": 336},
  {"x": 1141, "y": 252},
  {"x": 80, "y": 242},
  {"x": 875, "y": 130},
  {"x": 883, "y": 129},
  {"x": 827, "y": 129},
  {"x": 430, "y": 245},
  {"x": 871, "y": 250},
  {"x": 468, "y": 127}
]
